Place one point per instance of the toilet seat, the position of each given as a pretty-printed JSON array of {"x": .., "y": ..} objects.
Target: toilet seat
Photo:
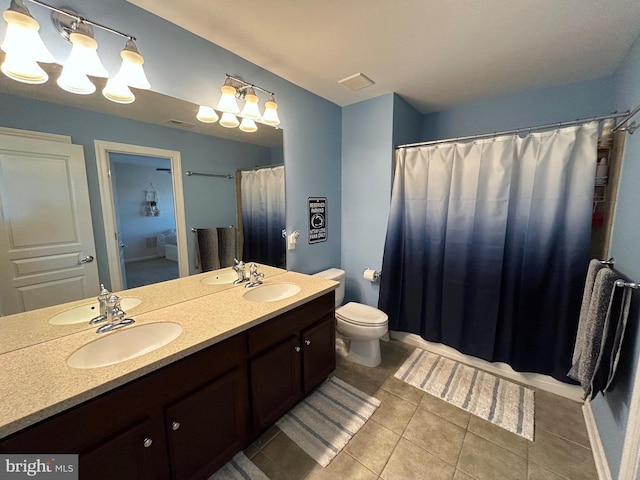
[{"x": 362, "y": 315}]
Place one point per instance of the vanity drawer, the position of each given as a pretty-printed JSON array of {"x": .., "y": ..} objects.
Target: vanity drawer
[{"x": 267, "y": 334}]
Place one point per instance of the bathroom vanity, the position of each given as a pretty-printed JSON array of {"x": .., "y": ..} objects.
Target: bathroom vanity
[{"x": 181, "y": 411}]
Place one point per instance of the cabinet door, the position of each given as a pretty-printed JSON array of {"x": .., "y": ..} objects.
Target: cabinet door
[
  {"x": 206, "y": 428},
  {"x": 127, "y": 455},
  {"x": 275, "y": 381},
  {"x": 318, "y": 352}
]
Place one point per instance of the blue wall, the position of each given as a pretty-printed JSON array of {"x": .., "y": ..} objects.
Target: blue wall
[
  {"x": 185, "y": 66},
  {"x": 612, "y": 412}
]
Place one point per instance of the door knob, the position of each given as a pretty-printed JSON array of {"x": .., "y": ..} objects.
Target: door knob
[
  {"x": 307, "y": 342},
  {"x": 87, "y": 259},
  {"x": 147, "y": 442},
  {"x": 296, "y": 348},
  {"x": 175, "y": 426}
]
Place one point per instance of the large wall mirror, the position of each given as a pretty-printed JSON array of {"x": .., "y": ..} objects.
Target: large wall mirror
[{"x": 214, "y": 162}]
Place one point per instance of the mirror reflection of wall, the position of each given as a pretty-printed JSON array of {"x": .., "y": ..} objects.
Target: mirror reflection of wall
[{"x": 208, "y": 201}]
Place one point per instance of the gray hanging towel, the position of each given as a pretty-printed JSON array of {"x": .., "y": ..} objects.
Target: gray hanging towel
[
  {"x": 595, "y": 322},
  {"x": 206, "y": 251},
  {"x": 581, "y": 337},
  {"x": 226, "y": 246}
]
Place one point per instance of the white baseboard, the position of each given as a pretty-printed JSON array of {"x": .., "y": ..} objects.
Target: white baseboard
[
  {"x": 602, "y": 466},
  {"x": 139, "y": 259},
  {"x": 535, "y": 380}
]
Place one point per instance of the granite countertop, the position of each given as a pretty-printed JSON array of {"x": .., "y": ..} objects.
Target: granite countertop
[
  {"x": 28, "y": 328},
  {"x": 36, "y": 382}
]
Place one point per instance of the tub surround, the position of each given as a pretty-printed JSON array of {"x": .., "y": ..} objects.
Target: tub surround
[
  {"x": 29, "y": 328},
  {"x": 37, "y": 382}
]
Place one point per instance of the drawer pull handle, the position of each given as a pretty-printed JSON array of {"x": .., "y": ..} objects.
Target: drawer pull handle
[
  {"x": 307, "y": 342},
  {"x": 175, "y": 426},
  {"x": 296, "y": 348},
  {"x": 147, "y": 442}
]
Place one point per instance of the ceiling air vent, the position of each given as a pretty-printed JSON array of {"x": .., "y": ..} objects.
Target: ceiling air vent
[
  {"x": 356, "y": 81},
  {"x": 181, "y": 123}
]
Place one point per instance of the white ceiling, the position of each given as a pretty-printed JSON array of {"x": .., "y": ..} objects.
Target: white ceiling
[{"x": 435, "y": 54}]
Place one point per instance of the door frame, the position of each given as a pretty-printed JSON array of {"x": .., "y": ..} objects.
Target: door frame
[{"x": 103, "y": 149}]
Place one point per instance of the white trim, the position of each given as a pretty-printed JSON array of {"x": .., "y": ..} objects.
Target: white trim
[
  {"x": 600, "y": 458},
  {"x": 103, "y": 148},
  {"x": 535, "y": 380},
  {"x": 630, "y": 461},
  {"x": 49, "y": 137},
  {"x": 142, "y": 259}
]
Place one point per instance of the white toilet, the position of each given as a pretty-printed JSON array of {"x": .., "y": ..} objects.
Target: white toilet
[{"x": 362, "y": 324}]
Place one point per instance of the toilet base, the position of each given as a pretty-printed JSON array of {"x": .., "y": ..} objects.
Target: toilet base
[{"x": 365, "y": 352}]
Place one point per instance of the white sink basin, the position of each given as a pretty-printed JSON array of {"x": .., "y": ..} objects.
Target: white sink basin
[
  {"x": 220, "y": 278},
  {"x": 125, "y": 344},
  {"x": 84, "y": 313},
  {"x": 272, "y": 292}
]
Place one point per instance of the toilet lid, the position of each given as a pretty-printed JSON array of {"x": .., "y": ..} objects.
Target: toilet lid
[{"x": 360, "y": 314}]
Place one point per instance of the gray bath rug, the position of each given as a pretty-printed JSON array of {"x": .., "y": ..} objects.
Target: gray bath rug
[
  {"x": 239, "y": 468},
  {"x": 496, "y": 400},
  {"x": 324, "y": 422}
]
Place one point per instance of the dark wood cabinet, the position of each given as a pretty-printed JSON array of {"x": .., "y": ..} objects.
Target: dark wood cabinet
[{"x": 185, "y": 420}]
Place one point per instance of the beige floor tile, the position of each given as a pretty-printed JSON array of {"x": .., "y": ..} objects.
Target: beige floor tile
[
  {"x": 376, "y": 375},
  {"x": 403, "y": 390},
  {"x": 537, "y": 472},
  {"x": 270, "y": 468},
  {"x": 393, "y": 412},
  {"x": 372, "y": 445},
  {"x": 498, "y": 435},
  {"x": 561, "y": 416},
  {"x": 409, "y": 462},
  {"x": 484, "y": 460},
  {"x": 445, "y": 410},
  {"x": 356, "y": 380},
  {"x": 288, "y": 456},
  {"x": 563, "y": 457},
  {"x": 460, "y": 475},
  {"x": 343, "y": 466},
  {"x": 436, "y": 435}
]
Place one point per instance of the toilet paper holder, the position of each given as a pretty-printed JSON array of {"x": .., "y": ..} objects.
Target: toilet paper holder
[{"x": 371, "y": 274}]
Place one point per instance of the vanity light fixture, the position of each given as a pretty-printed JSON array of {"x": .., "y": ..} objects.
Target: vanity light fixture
[
  {"x": 207, "y": 114},
  {"x": 24, "y": 48},
  {"x": 237, "y": 89}
]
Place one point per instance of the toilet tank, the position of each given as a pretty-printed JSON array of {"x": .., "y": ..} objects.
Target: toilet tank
[{"x": 337, "y": 275}]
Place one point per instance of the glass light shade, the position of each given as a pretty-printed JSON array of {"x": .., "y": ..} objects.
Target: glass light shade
[
  {"x": 84, "y": 57},
  {"x": 117, "y": 91},
  {"x": 270, "y": 116},
  {"x": 131, "y": 72},
  {"x": 207, "y": 114},
  {"x": 75, "y": 82},
  {"x": 228, "y": 101},
  {"x": 229, "y": 120},
  {"x": 248, "y": 125},
  {"x": 251, "y": 109},
  {"x": 22, "y": 38},
  {"x": 23, "y": 69}
]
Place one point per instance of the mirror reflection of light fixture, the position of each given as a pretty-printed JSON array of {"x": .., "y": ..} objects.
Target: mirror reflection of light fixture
[
  {"x": 236, "y": 88},
  {"x": 207, "y": 114},
  {"x": 24, "y": 48}
]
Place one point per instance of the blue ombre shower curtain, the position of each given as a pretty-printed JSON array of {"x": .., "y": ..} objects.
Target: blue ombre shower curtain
[
  {"x": 263, "y": 215},
  {"x": 487, "y": 245}
]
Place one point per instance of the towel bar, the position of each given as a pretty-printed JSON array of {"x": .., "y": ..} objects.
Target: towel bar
[
  {"x": 608, "y": 263},
  {"x": 622, "y": 284}
]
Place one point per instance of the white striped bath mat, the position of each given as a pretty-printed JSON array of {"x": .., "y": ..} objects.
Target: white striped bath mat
[
  {"x": 239, "y": 468},
  {"x": 324, "y": 422},
  {"x": 499, "y": 401}
]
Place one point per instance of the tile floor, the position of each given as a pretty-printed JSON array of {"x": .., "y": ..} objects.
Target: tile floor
[{"x": 414, "y": 435}]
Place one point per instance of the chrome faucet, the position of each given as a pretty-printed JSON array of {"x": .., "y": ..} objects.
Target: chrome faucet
[
  {"x": 115, "y": 316},
  {"x": 254, "y": 276},
  {"x": 240, "y": 269},
  {"x": 103, "y": 296}
]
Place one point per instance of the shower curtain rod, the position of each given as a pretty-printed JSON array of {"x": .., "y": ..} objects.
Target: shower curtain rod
[
  {"x": 260, "y": 168},
  {"x": 189, "y": 173},
  {"x": 626, "y": 114}
]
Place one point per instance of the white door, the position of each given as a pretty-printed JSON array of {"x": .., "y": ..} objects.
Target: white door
[{"x": 46, "y": 237}]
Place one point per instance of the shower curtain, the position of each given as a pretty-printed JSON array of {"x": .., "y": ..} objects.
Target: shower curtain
[
  {"x": 487, "y": 245},
  {"x": 262, "y": 196}
]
